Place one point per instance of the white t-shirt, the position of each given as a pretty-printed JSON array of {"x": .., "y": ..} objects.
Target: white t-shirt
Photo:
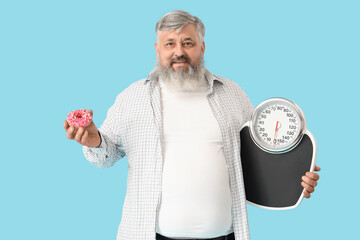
[{"x": 196, "y": 196}]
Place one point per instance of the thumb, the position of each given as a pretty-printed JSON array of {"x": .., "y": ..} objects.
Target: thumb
[
  {"x": 91, "y": 112},
  {"x": 317, "y": 168}
]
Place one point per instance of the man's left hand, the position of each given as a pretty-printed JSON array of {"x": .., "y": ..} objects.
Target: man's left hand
[{"x": 309, "y": 181}]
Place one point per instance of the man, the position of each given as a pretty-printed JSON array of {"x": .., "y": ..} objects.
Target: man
[{"x": 179, "y": 129}]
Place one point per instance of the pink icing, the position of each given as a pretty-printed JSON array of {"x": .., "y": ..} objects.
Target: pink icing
[{"x": 79, "y": 118}]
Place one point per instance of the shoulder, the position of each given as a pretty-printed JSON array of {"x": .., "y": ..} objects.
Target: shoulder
[
  {"x": 229, "y": 83},
  {"x": 134, "y": 90},
  {"x": 231, "y": 87},
  {"x": 136, "y": 86},
  {"x": 234, "y": 92}
]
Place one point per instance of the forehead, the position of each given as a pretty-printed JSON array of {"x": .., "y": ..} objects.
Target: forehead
[{"x": 189, "y": 31}]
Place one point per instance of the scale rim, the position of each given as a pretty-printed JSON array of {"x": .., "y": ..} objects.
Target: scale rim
[{"x": 297, "y": 139}]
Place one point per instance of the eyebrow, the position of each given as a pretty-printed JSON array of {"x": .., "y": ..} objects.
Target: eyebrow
[{"x": 185, "y": 39}]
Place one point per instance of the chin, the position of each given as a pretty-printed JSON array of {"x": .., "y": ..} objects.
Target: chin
[{"x": 180, "y": 68}]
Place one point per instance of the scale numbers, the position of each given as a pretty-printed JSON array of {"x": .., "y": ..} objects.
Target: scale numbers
[{"x": 277, "y": 125}]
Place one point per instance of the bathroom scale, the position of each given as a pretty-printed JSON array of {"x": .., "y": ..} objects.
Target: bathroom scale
[{"x": 276, "y": 151}]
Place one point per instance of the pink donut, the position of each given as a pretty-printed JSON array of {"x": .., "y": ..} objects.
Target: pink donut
[{"x": 79, "y": 118}]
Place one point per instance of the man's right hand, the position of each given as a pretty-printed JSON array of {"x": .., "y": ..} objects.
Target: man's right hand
[{"x": 87, "y": 136}]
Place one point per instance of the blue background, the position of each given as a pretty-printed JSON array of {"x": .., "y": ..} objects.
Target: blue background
[{"x": 57, "y": 56}]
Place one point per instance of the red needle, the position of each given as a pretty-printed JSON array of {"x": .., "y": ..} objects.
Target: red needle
[{"x": 276, "y": 128}]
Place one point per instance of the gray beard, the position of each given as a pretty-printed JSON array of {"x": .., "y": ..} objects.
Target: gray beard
[{"x": 188, "y": 79}]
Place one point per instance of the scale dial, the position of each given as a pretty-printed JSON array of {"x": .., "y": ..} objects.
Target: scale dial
[{"x": 277, "y": 125}]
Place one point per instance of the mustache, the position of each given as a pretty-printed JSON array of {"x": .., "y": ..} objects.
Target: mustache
[{"x": 182, "y": 58}]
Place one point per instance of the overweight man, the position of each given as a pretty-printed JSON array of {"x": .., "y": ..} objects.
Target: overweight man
[{"x": 179, "y": 129}]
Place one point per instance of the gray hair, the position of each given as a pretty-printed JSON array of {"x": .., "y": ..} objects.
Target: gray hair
[{"x": 176, "y": 20}]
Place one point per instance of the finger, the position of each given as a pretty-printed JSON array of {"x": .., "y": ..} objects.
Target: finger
[
  {"x": 317, "y": 168},
  {"x": 309, "y": 181},
  {"x": 66, "y": 125},
  {"x": 84, "y": 137},
  {"x": 91, "y": 112},
  {"x": 312, "y": 175},
  {"x": 306, "y": 194},
  {"x": 307, "y": 187},
  {"x": 79, "y": 134},
  {"x": 70, "y": 132}
]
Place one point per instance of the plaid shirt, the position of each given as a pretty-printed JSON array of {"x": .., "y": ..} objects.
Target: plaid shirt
[{"x": 133, "y": 128}]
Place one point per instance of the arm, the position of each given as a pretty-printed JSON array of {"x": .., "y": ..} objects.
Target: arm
[
  {"x": 111, "y": 148},
  {"x": 101, "y": 147}
]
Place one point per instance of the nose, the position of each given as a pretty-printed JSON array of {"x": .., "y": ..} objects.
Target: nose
[{"x": 179, "y": 50}]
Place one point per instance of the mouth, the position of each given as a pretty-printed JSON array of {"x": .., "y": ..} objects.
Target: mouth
[{"x": 180, "y": 61}]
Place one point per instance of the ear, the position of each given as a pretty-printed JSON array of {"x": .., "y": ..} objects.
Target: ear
[
  {"x": 203, "y": 48},
  {"x": 157, "y": 49}
]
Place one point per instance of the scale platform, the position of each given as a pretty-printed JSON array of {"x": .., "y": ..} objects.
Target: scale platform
[{"x": 273, "y": 181}]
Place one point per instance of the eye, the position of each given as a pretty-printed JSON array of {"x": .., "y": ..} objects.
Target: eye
[
  {"x": 169, "y": 44},
  {"x": 188, "y": 44}
]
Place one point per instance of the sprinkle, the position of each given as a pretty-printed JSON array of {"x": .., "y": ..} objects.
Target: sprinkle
[{"x": 79, "y": 118}]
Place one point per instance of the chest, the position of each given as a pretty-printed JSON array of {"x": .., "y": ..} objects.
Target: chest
[{"x": 153, "y": 114}]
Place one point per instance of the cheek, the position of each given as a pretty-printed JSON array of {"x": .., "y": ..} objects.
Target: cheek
[
  {"x": 195, "y": 55},
  {"x": 165, "y": 57}
]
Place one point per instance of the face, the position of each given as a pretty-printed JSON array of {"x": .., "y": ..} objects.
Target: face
[{"x": 178, "y": 50}]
